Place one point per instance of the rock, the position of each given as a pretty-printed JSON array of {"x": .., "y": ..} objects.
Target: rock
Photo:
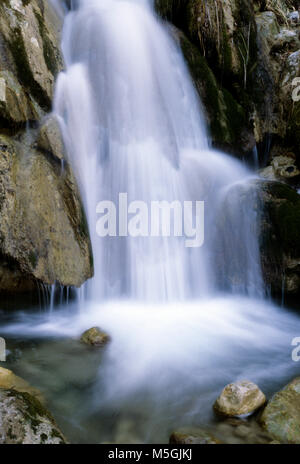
[
  {"x": 286, "y": 39},
  {"x": 10, "y": 381},
  {"x": 50, "y": 138},
  {"x": 281, "y": 417},
  {"x": 252, "y": 56},
  {"x": 193, "y": 437},
  {"x": 95, "y": 336},
  {"x": 226, "y": 119},
  {"x": 240, "y": 431},
  {"x": 43, "y": 232},
  {"x": 280, "y": 237},
  {"x": 24, "y": 420},
  {"x": 239, "y": 398},
  {"x": 283, "y": 167},
  {"x": 294, "y": 18},
  {"x": 16, "y": 108},
  {"x": 30, "y": 59}
]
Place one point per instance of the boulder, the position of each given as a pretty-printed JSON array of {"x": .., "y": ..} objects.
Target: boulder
[
  {"x": 95, "y": 336},
  {"x": 239, "y": 398},
  {"x": 24, "y": 420},
  {"x": 10, "y": 381},
  {"x": 30, "y": 58},
  {"x": 281, "y": 417},
  {"x": 279, "y": 236},
  {"x": 193, "y": 437},
  {"x": 43, "y": 231}
]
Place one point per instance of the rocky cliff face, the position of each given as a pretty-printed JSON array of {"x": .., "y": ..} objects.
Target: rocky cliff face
[
  {"x": 252, "y": 49},
  {"x": 43, "y": 233},
  {"x": 244, "y": 56}
]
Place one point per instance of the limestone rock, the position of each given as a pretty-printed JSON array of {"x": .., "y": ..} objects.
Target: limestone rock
[
  {"x": 95, "y": 336},
  {"x": 43, "y": 231},
  {"x": 193, "y": 437},
  {"x": 239, "y": 398},
  {"x": 281, "y": 417},
  {"x": 283, "y": 167},
  {"x": 30, "y": 59},
  {"x": 50, "y": 138},
  {"x": 24, "y": 420}
]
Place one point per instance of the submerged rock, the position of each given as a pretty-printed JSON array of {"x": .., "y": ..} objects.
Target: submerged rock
[
  {"x": 193, "y": 437},
  {"x": 10, "y": 381},
  {"x": 95, "y": 336},
  {"x": 235, "y": 430},
  {"x": 24, "y": 420},
  {"x": 239, "y": 398},
  {"x": 281, "y": 417}
]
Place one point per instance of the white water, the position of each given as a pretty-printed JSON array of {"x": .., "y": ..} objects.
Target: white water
[{"x": 133, "y": 123}]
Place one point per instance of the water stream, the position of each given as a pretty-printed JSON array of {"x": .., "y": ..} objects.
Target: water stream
[{"x": 183, "y": 321}]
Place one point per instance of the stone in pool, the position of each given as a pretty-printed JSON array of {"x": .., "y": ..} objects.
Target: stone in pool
[
  {"x": 95, "y": 337},
  {"x": 239, "y": 398},
  {"x": 193, "y": 437},
  {"x": 10, "y": 381},
  {"x": 281, "y": 417}
]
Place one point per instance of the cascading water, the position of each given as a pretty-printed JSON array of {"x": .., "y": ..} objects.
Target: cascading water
[{"x": 132, "y": 123}]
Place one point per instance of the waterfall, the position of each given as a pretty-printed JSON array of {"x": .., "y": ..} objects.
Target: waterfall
[{"x": 133, "y": 123}]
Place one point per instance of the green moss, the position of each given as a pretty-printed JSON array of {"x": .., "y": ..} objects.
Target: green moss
[
  {"x": 34, "y": 411},
  {"x": 227, "y": 117},
  {"x": 284, "y": 213},
  {"x": 50, "y": 57},
  {"x": 33, "y": 259}
]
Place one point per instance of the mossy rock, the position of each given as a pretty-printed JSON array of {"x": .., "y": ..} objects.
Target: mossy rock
[
  {"x": 95, "y": 337},
  {"x": 281, "y": 417},
  {"x": 280, "y": 236},
  {"x": 226, "y": 118},
  {"x": 24, "y": 420}
]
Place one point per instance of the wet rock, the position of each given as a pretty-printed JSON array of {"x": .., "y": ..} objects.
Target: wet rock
[
  {"x": 283, "y": 167},
  {"x": 24, "y": 420},
  {"x": 226, "y": 119},
  {"x": 10, "y": 381},
  {"x": 239, "y": 398},
  {"x": 241, "y": 431},
  {"x": 281, "y": 417},
  {"x": 50, "y": 138},
  {"x": 280, "y": 236},
  {"x": 30, "y": 59},
  {"x": 43, "y": 232},
  {"x": 193, "y": 437},
  {"x": 95, "y": 336}
]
